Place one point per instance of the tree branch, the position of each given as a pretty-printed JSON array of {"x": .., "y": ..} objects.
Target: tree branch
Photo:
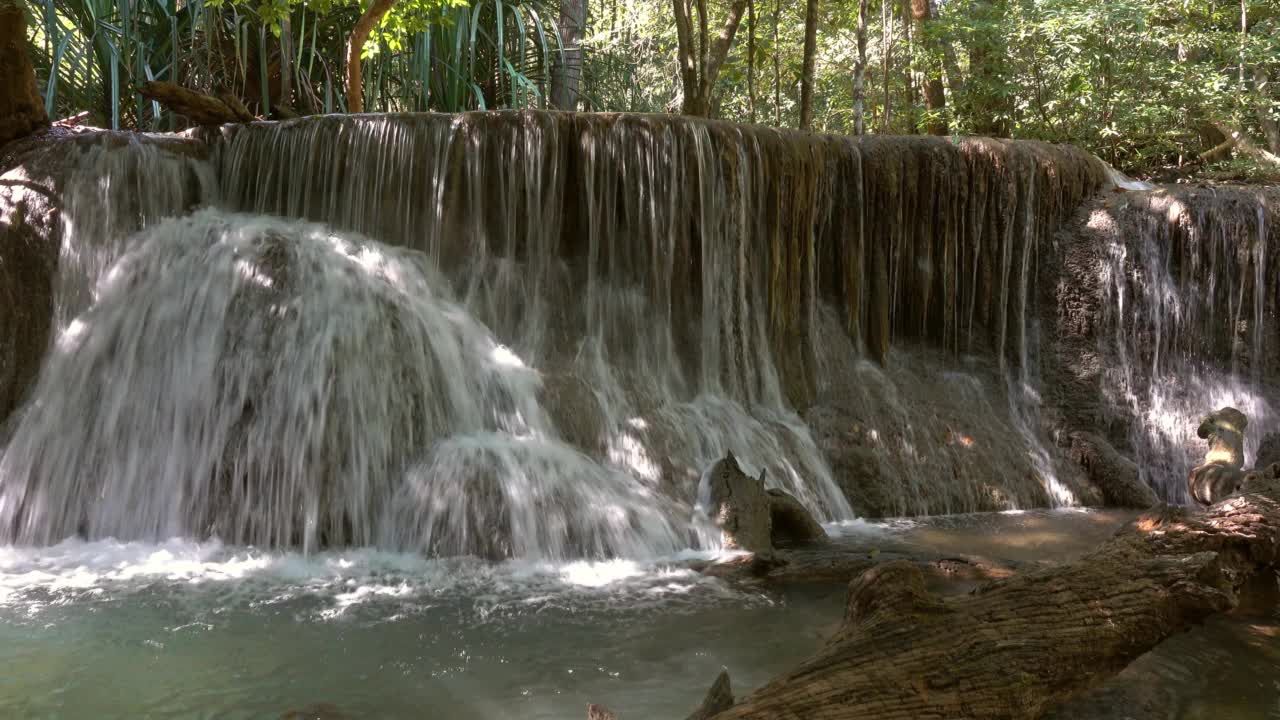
[{"x": 355, "y": 45}]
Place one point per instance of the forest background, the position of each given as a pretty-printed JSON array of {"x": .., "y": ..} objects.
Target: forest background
[{"x": 1159, "y": 88}]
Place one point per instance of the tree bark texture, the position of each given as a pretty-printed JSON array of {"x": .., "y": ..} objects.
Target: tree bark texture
[
  {"x": 1262, "y": 85},
  {"x": 751, "y": 59},
  {"x": 566, "y": 83},
  {"x": 806, "y": 74},
  {"x": 201, "y": 109},
  {"x": 1015, "y": 647},
  {"x": 21, "y": 107},
  {"x": 355, "y": 45}
]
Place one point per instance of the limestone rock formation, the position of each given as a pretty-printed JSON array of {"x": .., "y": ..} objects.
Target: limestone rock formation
[
  {"x": 752, "y": 518},
  {"x": 1221, "y": 474},
  {"x": 791, "y": 523},
  {"x": 1268, "y": 452},
  {"x": 1114, "y": 474},
  {"x": 739, "y": 506}
]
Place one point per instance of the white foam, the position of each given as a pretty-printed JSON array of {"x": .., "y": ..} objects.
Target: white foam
[{"x": 334, "y": 583}]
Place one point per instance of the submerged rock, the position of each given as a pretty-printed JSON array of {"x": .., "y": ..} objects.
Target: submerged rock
[
  {"x": 600, "y": 712},
  {"x": 1221, "y": 475}
]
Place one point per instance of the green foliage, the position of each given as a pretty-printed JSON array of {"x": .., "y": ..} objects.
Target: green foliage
[
  {"x": 1144, "y": 83},
  {"x": 446, "y": 55}
]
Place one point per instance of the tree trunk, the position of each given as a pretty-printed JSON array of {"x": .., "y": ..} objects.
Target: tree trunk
[
  {"x": 286, "y": 64},
  {"x": 1236, "y": 138},
  {"x": 1266, "y": 115},
  {"x": 751, "y": 60},
  {"x": 935, "y": 99},
  {"x": 806, "y": 74},
  {"x": 21, "y": 107},
  {"x": 860, "y": 73},
  {"x": 700, "y": 67},
  {"x": 1013, "y": 648},
  {"x": 886, "y": 50},
  {"x": 566, "y": 84},
  {"x": 355, "y": 45},
  {"x": 777, "y": 69}
]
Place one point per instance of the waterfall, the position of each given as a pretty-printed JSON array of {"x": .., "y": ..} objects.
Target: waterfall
[
  {"x": 276, "y": 384},
  {"x": 119, "y": 184},
  {"x": 1187, "y": 316},
  {"x": 528, "y": 334}
]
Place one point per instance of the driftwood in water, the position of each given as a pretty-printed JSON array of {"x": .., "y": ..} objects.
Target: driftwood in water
[
  {"x": 1015, "y": 647},
  {"x": 199, "y": 108}
]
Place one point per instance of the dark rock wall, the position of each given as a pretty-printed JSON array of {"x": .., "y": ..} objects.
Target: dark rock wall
[{"x": 1160, "y": 307}]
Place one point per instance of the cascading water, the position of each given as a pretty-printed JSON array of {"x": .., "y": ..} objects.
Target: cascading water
[
  {"x": 310, "y": 389},
  {"x": 1188, "y": 312},
  {"x": 121, "y": 183},
  {"x": 584, "y": 314}
]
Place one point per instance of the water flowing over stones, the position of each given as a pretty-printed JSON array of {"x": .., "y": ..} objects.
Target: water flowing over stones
[
  {"x": 68, "y": 204},
  {"x": 306, "y": 376},
  {"x": 571, "y": 319},
  {"x": 1166, "y": 309}
]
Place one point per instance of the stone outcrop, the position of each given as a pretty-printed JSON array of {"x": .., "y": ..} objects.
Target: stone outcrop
[
  {"x": 1127, "y": 356},
  {"x": 1268, "y": 451},
  {"x": 1222, "y": 472},
  {"x": 740, "y": 507},
  {"x": 753, "y": 518},
  {"x": 719, "y": 698}
]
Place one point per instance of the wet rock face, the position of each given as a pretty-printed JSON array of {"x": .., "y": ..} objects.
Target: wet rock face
[
  {"x": 1159, "y": 305},
  {"x": 28, "y": 256},
  {"x": 1268, "y": 452},
  {"x": 1115, "y": 475}
]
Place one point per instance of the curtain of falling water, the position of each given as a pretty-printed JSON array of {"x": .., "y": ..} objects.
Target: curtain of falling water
[
  {"x": 118, "y": 184},
  {"x": 1190, "y": 306},
  {"x": 272, "y": 383},
  {"x": 628, "y": 269},
  {"x": 620, "y": 300}
]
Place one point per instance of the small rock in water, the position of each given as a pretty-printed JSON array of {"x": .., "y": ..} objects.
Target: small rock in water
[
  {"x": 719, "y": 698},
  {"x": 600, "y": 712}
]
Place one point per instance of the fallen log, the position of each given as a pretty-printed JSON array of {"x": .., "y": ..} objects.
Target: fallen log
[
  {"x": 201, "y": 109},
  {"x": 1015, "y": 647}
]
